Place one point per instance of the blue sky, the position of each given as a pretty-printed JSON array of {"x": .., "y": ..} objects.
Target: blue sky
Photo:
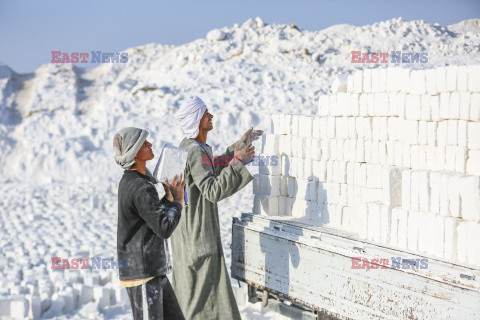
[{"x": 30, "y": 30}]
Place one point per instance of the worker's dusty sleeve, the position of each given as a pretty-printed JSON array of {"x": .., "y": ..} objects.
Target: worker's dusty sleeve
[
  {"x": 225, "y": 158},
  {"x": 161, "y": 216},
  {"x": 216, "y": 188}
]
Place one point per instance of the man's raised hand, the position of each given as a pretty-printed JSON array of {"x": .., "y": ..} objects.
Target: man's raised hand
[
  {"x": 251, "y": 135},
  {"x": 177, "y": 188},
  {"x": 245, "y": 155}
]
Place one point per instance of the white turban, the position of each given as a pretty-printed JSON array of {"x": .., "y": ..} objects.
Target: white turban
[
  {"x": 126, "y": 144},
  {"x": 189, "y": 115}
]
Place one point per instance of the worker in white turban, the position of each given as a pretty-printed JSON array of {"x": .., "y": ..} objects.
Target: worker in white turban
[{"x": 189, "y": 115}]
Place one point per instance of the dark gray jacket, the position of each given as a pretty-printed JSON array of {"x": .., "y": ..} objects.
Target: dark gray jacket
[{"x": 144, "y": 224}]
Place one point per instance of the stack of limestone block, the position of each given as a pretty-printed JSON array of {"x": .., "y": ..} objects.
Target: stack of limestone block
[{"x": 395, "y": 160}]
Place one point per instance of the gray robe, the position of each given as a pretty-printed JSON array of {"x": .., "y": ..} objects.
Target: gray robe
[{"x": 200, "y": 278}]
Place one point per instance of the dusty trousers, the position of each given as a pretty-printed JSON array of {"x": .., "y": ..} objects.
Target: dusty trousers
[{"x": 154, "y": 300}]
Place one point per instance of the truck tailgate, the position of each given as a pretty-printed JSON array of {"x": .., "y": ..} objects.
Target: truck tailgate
[{"x": 312, "y": 267}]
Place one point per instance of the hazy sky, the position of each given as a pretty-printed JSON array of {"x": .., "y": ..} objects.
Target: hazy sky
[{"x": 30, "y": 30}]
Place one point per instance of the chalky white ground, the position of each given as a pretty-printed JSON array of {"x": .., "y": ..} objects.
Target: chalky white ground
[{"x": 57, "y": 174}]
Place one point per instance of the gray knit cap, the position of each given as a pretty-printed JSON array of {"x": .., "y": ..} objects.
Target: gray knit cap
[{"x": 126, "y": 144}]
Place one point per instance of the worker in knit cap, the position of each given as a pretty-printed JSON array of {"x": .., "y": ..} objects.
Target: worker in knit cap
[
  {"x": 144, "y": 224},
  {"x": 200, "y": 277}
]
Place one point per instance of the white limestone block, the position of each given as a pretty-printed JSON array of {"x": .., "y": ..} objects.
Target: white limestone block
[
  {"x": 367, "y": 80},
  {"x": 474, "y": 78},
  {"x": 358, "y": 81},
  {"x": 362, "y": 213},
  {"x": 402, "y": 228},
  {"x": 277, "y": 123},
  {"x": 284, "y": 186},
  {"x": 286, "y": 166},
  {"x": 434, "y": 192},
  {"x": 464, "y": 105},
  {"x": 381, "y": 84},
  {"x": 331, "y": 127},
  {"x": 360, "y": 174},
  {"x": 266, "y": 185},
  {"x": 454, "y": 203},
  {"x": 299, "y": 208},
  {"x": 399, "y": 154},
  {"x": 287, "y": 124},
  {"x": 414, "y": 190},
  {"x": 462, "y": 243},
  {"x": 418, "y": 82},
  {"x": 469, "y": 190},
  {"x": 343, "y": 104},
  {"x": 473, "y": 135},
  {"x": 350, "y": 83},
  {"x": 292, "y": 187},
  {"x": 354, "y": 105},
  {"x": 445, "y": 105},
  {"x": 460, "y": 159},
  {"x": 425, "y": 107},
  {"x": 19, "y": 308},
  {"x": 316, "y": 123},
  {"x": 413, "y": 107},
  {"x": 371, "y": 104},
  {"x": 392, "y": 186},
  {"x": 462, "y": 78},
  {"x": 380, "y": 129},
  {"x": 454, "y": 105},
  {"x": 452, "y": 132},
  {"x": 400, "y": 105},
  {"x": 352, "y": 132},
  {"x": 451, "y": 78},
  {"x": 475, "y": 107},
  {"x": 381, "y": 104},
  {"x": 451, "y": 236},
  {"x": 295, "y": 124},
  {"x": 284, "y": 206},
  {"x": 367, "y": 128},
  {"x": 422, "y": 132},
  {"x": 319, "y": 170},
  {"x": 411, "y": 131},
  {"x": 322, "y": 128},
  {"x": 444, "y": 195},
  {"x": 363, "y": 105},
  {"x": 172, "y": 162},
  {"x": 473, "y": 243},
  {"x": 270, "y": 144},
  {"x": 374, "y": 176},
  {"x": 390, "y": 146},
  {"x": 382, "y": 152},
  {"x": 341, "y": 127},
  {"x": 305, "y": 126},
  {"x": 297, "y": 165},
  {"x": 307, "y": 169},
  {"x": 393, "y": 79},
  {"x": 441, "y": 74},
  {"x": 425, "y": 223},
  {"x": 473, "y": 162},
  {"x": 316, "y": 149},
  {"x": 385, "y": 223},
  {"x": 339, "y": 83},
  {"x": 442, "y": 133},
  {"x": 360, "y": 151},
  {"x": 435, "y": 107},
  {"x": 326, "y": 155},
  {"x": 431, "y": 133},
  {"x": 323, "y": 105},
  {"x": 405, "y": 80},
  {"x": 339, "y": 149},
  {"x": 371, "y": 195},
  {"x": 424, "y": 190},
  {"x": 394, "y": 226},
  {"x": 374, "y": 222},
  {"x": 269, "y": 205},
  {"x": 406, "y": 185},
  {"x": 438, "y": 234},
  {"x": 431, "y": 83},
  {"x": 450, "y": 158},
  {"x": 414, "y": 219}
]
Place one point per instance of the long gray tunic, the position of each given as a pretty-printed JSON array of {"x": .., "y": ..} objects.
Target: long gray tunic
[{"x": 200, "y": 278}]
